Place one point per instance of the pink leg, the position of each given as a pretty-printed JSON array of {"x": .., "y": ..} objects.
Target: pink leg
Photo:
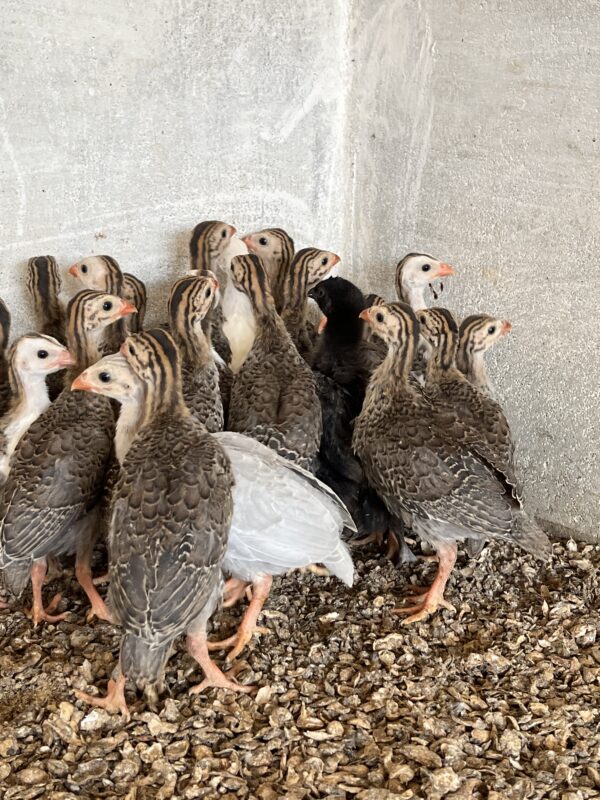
[
  {"x": 114, "y": 700},
  {"x": 38, "y": 613},
  {"x": 262, "y": 587},
  {"x": 432, "y": 599},
  {"x": 99, "y": 609},
  {"x": 197, "y": 647},
  {"x": 233, "y": 591}
]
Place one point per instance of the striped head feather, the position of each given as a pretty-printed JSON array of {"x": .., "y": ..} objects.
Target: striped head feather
[
  {"x": 100, "y": 273},
  {"x": 134, "y": 290},
  {"x": 397, "y": 325},
  {"x": 309, "y": 266},
  {"x": 44, "y": 285},
  {"x": 440, "y": 331},
  {"x": 154, "y": 358},
  {"x": 190, "y": 301},
  {"x": 250, "y": 277},
  {"x": 477, "y": 333},
  {"x": 4, "y": 326},
  {"x": 275, "y": 248},
  {"x": 88, "y": 313},
  {"x": 209, "y": 243}
]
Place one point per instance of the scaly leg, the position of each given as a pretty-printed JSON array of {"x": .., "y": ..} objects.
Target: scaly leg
[
  {"x": 233, "y": 591},
  {"x": 114, "y": 700},
  {"x": 38, "y": 613},
  {"x": 432, "y": 599},
  {"x": 213, "y": 676},
  {"x": 83, "y": 573},
  {"x": 262, "y": 587}
]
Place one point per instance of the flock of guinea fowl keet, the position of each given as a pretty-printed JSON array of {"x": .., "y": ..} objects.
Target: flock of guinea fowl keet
[{"x": 252, "y": 433}]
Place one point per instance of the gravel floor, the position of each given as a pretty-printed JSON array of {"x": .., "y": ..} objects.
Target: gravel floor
[{"x": 498, "y": 700}]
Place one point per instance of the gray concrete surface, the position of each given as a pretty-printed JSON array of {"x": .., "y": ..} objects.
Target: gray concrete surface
[{"x": 465, "y": 129}]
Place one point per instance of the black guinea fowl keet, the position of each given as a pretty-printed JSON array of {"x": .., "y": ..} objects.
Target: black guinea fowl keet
[
  {"x": 426, "y": 469},
  {"x": 171, "y": 513},
  {"x": 273, "y": 396},
  {"x": 58, "y": 469}
]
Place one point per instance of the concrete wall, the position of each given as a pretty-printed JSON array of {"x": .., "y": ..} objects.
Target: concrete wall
[{"x": 466, "y": 129}]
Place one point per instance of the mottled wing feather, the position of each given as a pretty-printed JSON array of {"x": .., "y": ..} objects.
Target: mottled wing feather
[
  {"x": 56, "y": 475},
  {"x": 171, "y": 514}
]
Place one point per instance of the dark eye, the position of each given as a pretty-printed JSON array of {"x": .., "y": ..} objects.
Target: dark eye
[
  {"x": 107, "y": 305},
  {"x": 422, "y": 319},
  {"x": 379, "y": 316},
  {"x": 324, "y": 261},
  {"x": 264, "y": 241},
  {"x": 84, "y": 268},
  {"x": 104, "y": 377},
  {"x": 131, "y": 351},
  {"x": 208, "y": 292},
  {"x": 426, "y": 267},
  {"x": 42, "y": 354},
  {"x": 223, "y": 233},
  {"x": 492, "y": 329}
]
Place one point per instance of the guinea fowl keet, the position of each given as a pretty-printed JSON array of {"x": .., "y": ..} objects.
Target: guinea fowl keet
[
  {"x": 275, "y": 248},
  {"x": 4, "y": 337},
  {"x": 283, "y": 517},
  {"x": 273, "y": 396},
  {"x": 190, "y": 301},
  {"x": 476, "y": 335},
  {"x": 44, "y": 286},
  {"x": 343, "y": 361},
  {"x": 103, "y": 274},
  {"x": 414, "y": 273},
  {"x": 308, "y": 267},
  {"x": 170, "y": 521},
  {"x": 57, "y": 470},
  {"x": 421, "y": 465},
  {"x": 31, "y": 359}
]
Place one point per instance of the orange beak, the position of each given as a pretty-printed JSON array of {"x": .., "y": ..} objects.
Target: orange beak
[
  {"x": 365, "y": 315},
  {"x": 335, "y": 259},
  {"x": 216, "y": 284},
  {"x": 445, "y": 270},
  {"x": 506, "y": 327},
  {"x": 322, "y": 325},
  {"x": 127, "y": 308},
  {"x": 232, "y": 230},
  {"x": 247, "y": 240},
  {"x": 65, "y": 359},
  {"x": 73, "y": 270},
  {"x": 80, "y": 383}
]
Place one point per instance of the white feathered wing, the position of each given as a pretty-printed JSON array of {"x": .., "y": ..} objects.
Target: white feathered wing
[{"x": 283, "y": 517}]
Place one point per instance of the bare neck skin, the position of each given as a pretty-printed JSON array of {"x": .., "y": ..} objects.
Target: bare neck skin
[
  {"x": 414, "y": 296},
  {"x": 128, "y": 424},
  {"x": 31, "y": 401}
]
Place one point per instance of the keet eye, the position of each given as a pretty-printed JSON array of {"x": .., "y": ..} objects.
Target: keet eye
[
  {"x": 492, "y": 329},
  {"x": 324, "y": 260},
  {"x": 131, "y": 351},
  {"x": 379, "y": 316},
  {"x": 84, "y": 268},
  {"x": 264, "y": 241},
  {"x": 208, "y": 292},
  {"x": 223, "y": 233},
  {"x": 104, "y": 377},
  {"x": 107, "y": 305},
  {"x": 426, "y": 267},
  {"x": 42, "y": 354}
]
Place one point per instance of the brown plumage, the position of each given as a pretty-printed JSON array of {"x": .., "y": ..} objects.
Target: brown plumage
[
  {"x": 189, "y": 302},
  {"x": 273, "y": 397},
  {"x": 44, "y": 285},
  {"x": 309, "y": 266},
  {"x": 420, "y": 461},
  {"x": 4, "y": 338},
  {"x": 209, "y": 253},
  {"x": 476, "y": 335},
  {"x": 57, "y": 471},
  {"x": 171, "y": 514},
  {"x": 275, "y": 248}
]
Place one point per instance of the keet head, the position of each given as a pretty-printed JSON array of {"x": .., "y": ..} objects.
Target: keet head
[
  {"x": 95, "y": 310},
  {"x": 416, "y": 270},
  {"x": 43, "y": 279},
  {"x": 35, "y": 354},
  {"x": 191, "y": 299},
  {"x": 337, "y": 296},
  {"x": 209, "y": 240},
  {"x": 436, "y": 323},
  {"x": 479, "y": 332},
  {"x": 316, "y": 264},
  {"x": 270, "y": 244},
  {"x": 111, "y": 376},
  {"x": 99, "y": 273},
  {"x": 392, "y": 322}
]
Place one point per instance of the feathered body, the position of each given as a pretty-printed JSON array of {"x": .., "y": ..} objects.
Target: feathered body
[{"x": 273, "y": 397}]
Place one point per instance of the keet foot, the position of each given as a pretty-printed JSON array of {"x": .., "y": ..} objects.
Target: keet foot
[
  {"x": 37, "y": 613},
  {"x": 114, "y": 700}
]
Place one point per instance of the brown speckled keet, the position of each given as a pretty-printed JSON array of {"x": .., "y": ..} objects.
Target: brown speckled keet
[
  {"x": 273, "y": 397},
  {"x": 189, "y": 302}
]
